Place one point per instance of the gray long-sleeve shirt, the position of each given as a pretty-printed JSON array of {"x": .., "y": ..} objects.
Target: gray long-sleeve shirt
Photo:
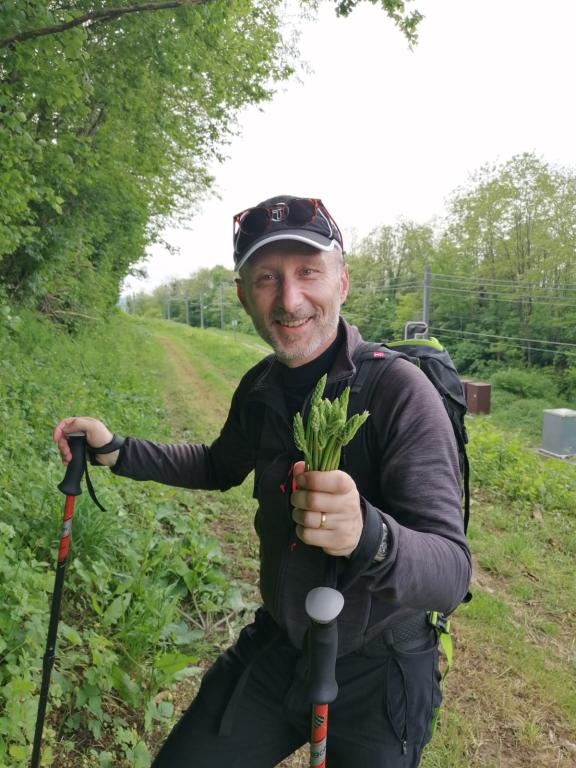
[{"x": 405, "y": 464}]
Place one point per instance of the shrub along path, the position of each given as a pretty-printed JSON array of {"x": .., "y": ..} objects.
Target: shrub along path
[{"x": 510, "y": 698}]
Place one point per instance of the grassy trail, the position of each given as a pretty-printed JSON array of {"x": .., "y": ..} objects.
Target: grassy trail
[{"x": 509, "y": 699}]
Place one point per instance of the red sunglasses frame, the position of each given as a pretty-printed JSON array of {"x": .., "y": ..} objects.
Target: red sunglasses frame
[{"x": 316, "y": 202}]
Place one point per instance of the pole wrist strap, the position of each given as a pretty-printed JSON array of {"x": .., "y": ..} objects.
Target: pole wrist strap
[{"x": 114, "y": 445}]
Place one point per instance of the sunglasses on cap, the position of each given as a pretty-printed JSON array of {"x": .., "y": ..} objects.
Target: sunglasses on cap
[{"x": 298, "y": 213}]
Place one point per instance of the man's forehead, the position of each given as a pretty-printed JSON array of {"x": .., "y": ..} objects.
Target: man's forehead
[
  {"x": 287, "y": 247},
  {"x": 284, "y": 251}
]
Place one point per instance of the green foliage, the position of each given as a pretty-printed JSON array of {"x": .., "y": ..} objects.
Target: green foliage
[
  {"x": 504, "y": 269},
  {"x": 519, "y": 477},
  {"x": 503, "y": 272},
  {"x": 396, "y": 9},
  {"x": 205, "y": 299},
  {"x": 108, "y": 128},
  {"x": 386, "y": 274},
  {"x": 522, "y": 416},
  {"x": 524, "y": 383},
  {"x": 567, "y": 383},
  {"x": 134, "y": 570}
]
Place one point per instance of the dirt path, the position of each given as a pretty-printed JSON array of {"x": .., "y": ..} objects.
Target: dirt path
[{"x": 187, "y": 393}]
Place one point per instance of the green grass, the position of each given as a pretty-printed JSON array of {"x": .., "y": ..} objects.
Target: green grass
[
  {"x": 519, "y": 398},
  {"x": 133, "y": 570},
  {"x": 523, "y": 416},
  {"x": 514, "y": 640},
  {"x": 146, "y": 586}
]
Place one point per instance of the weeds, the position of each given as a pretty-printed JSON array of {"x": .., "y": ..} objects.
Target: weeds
[{"x": 123, "y": 636}]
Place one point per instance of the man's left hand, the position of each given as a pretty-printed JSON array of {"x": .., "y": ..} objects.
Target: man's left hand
[{"x": 327, "y": 510}]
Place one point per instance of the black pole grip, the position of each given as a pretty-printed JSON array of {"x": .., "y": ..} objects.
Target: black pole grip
[
  {"x": 323, "y": 606},
  {"x": 70, "y": 485}
]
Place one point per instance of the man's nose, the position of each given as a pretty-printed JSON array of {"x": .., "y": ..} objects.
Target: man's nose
[{"x": 290, "y": 295}]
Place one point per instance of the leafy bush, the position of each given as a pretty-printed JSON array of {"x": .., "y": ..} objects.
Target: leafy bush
[
  {"x": 516, "y": 475},
  {"x": 525, "y": 383},
  {"x": 567, "y": 383},
  {"x": 463, "y": 353}
]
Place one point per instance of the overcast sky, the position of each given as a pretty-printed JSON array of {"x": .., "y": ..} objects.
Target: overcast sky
[{"x": 379, "y": 131}]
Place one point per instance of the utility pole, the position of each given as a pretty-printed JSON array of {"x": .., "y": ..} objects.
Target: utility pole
[
  {"x": 168, "y": 313},
  {"x": 221, "y": 306},
  {"x": 187, "y": 309},
  {"x": 201, "y": 310},
  {"x": 426, "y": 298}
]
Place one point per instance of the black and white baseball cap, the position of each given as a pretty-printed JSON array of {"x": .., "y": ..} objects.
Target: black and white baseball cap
[{"x": 284, "y": 217}]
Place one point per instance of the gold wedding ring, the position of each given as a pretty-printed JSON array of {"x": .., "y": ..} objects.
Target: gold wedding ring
[{"x": 322, "y": 520}]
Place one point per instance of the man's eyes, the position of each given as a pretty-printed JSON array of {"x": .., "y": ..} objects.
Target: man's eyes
[
  {"x": 270, "y": 277},
  {"x": 265, "y": 277}
]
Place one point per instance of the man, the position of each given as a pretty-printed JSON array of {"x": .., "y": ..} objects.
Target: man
[{"x": 386, "y": 528}]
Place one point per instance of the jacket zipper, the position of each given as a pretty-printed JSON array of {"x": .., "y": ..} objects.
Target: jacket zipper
[{"x": 286, "y": 488}]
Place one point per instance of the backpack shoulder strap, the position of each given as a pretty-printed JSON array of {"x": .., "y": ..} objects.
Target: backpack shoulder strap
[
  {"x": 365, "y": 380},
  {"x": 367, "y": 374}
]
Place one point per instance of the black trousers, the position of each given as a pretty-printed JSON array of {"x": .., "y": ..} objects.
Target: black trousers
[{"x": 251, "y": 709}]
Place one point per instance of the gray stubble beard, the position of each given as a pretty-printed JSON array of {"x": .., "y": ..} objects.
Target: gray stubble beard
[{"x": 325, "y": 329}]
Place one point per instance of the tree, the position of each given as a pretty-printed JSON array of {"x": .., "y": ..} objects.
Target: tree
[
  {"x": 109, "y": 117},
  {"x": 503, "y": 267},
  {"x": 108, "y": 129},
  {"x": 509, "y": 259},
  {"x": 386, "y": 268},
  {"x": 213, "y": 290},
  {"x": 91, "y": 16}
]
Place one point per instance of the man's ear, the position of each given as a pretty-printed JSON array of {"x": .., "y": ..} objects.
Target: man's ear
[
  {"x": 241, "y": 293},
  {"x": 344, "y": 284}
]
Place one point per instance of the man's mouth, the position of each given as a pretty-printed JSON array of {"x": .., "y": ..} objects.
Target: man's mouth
[{"x": 293, "y": 323}]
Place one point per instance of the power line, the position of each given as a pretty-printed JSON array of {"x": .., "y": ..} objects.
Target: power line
[
  {"x": 510, "y": 338},
  {"x": 467, "y": 288},
  {"x": 514, "y": 346},
  {"x": 491, "y": 297},
  {"x": 502, "y": 282},
  {"x": 382, "y": 284}
]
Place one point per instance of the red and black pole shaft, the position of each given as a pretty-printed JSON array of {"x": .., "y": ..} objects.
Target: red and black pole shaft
[
  {"x": 323, "y": 606},
  {"x": 70, "y": 486}
]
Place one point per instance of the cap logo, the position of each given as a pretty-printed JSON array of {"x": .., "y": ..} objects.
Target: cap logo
[{"x": 279, "y": 213}]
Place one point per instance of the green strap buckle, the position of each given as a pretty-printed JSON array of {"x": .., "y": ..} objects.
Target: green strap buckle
[{"x": 441, "y": 624}]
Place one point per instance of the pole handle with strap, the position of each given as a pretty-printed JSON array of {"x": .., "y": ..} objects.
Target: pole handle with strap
[
  {"x": 323, "y": 606},
  {"x": 70, "y": 485}
]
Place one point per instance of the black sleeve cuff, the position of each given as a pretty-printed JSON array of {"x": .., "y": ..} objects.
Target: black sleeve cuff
[{"x": 363, "y": 556}]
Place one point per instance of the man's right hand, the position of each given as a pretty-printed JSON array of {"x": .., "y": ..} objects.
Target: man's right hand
[{"x": 97, "y": 435}]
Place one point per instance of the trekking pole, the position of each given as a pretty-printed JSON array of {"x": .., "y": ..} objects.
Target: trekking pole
[
  {"x": 323, "y": 605},
  {"x": 70, "y": 486}
]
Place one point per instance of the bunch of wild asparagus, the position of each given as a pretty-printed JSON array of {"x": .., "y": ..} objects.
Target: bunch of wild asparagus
[{"x": 327, "y": 430}]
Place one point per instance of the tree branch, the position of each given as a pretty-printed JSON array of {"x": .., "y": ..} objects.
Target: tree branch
[
  {"x": 69, "y": 312},
  {"x": 102, "y": 14},
  {"x": 96, "y": 117}
]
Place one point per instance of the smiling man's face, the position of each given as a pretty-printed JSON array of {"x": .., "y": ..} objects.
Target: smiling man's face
[{"x": 293, "y": 294}]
